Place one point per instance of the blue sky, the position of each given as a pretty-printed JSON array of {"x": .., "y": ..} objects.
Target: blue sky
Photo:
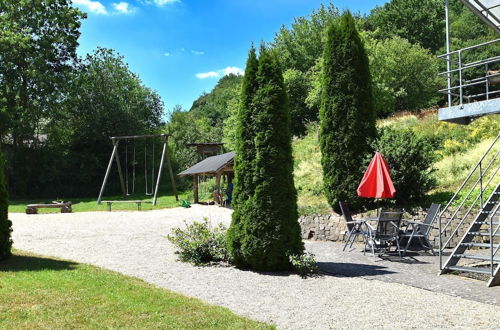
[{"x": 180, "y": 48}]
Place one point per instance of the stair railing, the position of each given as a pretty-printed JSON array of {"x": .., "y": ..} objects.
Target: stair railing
[
  {"x": 492, "y": 235},
  {"x": 481, "y": 185}
]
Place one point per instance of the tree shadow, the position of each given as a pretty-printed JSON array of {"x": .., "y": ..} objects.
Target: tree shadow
[
  {"x": 23, "y": 263},
  {"x": 352, "y": 269}
]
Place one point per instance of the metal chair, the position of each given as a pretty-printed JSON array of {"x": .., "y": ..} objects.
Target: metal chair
[
  {"x": 386, "y": 232},
  {"x": 421, "y": 230},
  {"x": 354, "y": 228}
]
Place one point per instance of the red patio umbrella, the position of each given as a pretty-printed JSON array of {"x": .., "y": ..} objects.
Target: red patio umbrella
[{"x": 376, "y": 182}]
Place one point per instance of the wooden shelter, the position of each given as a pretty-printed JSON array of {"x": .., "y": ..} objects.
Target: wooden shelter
[{"x": 216, "y": 166}]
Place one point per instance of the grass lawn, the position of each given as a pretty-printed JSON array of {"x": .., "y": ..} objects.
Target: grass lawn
[
  {"x": 40, "y": 292},
  {"x": 90, "y": 204}
]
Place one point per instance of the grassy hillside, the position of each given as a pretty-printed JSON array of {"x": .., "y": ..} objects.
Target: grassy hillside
[{"x": 456, "y": 148}]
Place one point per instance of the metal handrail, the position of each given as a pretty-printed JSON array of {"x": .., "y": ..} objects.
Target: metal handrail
[
  {"x": 483, "y": 173},
  {"x": 461, "y": 85},
  {"x": 470, "y": 47}
]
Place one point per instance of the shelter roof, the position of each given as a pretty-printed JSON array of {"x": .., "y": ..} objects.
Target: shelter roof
[{"x": 210, "y": 165}]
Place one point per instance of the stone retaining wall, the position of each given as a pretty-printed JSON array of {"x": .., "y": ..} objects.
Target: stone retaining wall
[{"x": 332, "y": 227}]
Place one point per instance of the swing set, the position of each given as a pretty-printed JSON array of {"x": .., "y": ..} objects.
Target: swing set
[{"x": 150, "y": 188}]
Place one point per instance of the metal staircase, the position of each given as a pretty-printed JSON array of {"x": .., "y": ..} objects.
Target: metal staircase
[{"x": 476, "y": 252}]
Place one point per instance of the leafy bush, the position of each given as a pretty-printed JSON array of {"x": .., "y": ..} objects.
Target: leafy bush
[
  {"x": 199, "y": 243},
  {"x": 304, "y": 264},
  {"x": 410, "y": 161},
  {"x": 5, "y": 223}
]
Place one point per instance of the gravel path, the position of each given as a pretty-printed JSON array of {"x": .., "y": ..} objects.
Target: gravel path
[{"x": 134, "y": 243}]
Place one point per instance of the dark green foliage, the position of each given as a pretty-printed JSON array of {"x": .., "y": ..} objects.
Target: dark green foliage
[
  {"x": 106, "y": 99},
  {"x": 419, "y": 21},
  {"x": 297, "y": 87},
  {"x": 200, "y": 243},
  {"x": 5, "y": 223},
  {"x": 410, "y": 160},
  {"x": 38, "y": 41},
  {"x": 347, "y": 114},
  {"x": 244, "y": 160},
  {"x": 265, "y": 230}
]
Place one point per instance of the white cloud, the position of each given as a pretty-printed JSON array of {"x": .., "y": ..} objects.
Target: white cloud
[
  {"x": 211, "y": 74},
  {"x": 161, "y": 3},
  {"x": 221, "y": 73},
  {"x": 167, "y": 54},
  {"x": 233, "y": 70},
  {"x": 123, "y": 8},
  {"x": 92, "y": 6},
  {"x": 197, "y": 52}
]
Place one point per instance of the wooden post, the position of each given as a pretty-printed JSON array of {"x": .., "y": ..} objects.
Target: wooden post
[
  {"x": 172, "y": 178},
  {"x": 115, "y": 146},
  {"x": 195, "y": 189},
  {"x": 159, "y": 172},
  {"x": 217, "y": 188},
  {"x": 120, "y": 174}
]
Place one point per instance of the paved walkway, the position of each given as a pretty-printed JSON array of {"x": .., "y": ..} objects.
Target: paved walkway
[
  {"x": 356, "y": 291},
  {"x": 415, "y": 270}
]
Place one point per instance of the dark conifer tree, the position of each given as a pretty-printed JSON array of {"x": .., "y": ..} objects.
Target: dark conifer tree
[
  {"x": 347, "y": 115},
  {"x": 245, "y": 154},
  {"x": 270, "y": 231},
  {"x": 5, "y": 224}
]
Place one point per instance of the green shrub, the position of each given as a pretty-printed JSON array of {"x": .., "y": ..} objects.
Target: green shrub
[
  {"x": 410, "y": 161},
  {"x": 199, "y": 243},
  {"x": 5, "y": 223},
  {"x": 304, "y": 264}
]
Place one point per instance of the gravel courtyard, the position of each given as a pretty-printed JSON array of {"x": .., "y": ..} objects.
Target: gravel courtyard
[{"x": 133, "y": 243}]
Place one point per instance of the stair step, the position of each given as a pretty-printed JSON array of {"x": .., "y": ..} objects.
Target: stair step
[
  {"x": 475, "y": 257},
  {"x": 470, "y": 269},
  {"x": 478, "y": 233},
  {"x": 486, "y": 245},
  {"x": 487, "y": 223}
]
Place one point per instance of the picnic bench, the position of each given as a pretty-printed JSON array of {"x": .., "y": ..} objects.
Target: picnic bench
[
  {"x": 64, "y": 206},
  {"x": 138, "y": 202}
]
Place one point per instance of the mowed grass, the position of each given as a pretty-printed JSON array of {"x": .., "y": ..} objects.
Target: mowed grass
[
  {"x": 39, "y": 292},
  {"x": 90, "y": 204}
]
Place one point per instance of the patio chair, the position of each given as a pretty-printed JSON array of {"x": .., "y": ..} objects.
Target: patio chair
[
  {"x": 421, "y": 230},
  {"x": 354, "y": 228},
  {"x": 386, "y": 232}
]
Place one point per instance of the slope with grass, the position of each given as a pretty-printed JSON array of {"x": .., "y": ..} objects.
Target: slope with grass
[
  {"x": 39, "y": 292},
  {"x": 456, "y": 150}
]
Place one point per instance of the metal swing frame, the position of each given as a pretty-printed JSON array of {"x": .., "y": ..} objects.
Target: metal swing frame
[{"x": 115, "y": 157}]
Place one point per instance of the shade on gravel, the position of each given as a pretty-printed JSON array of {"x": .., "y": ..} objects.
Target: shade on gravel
[{"x": 134, "y": 243}]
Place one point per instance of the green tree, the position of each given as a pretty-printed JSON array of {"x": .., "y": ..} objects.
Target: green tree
[
  {"x": 419, "y": 21},
  {"x": 5, "y": 224},
  {"x": 244, "y": 162},
  {"x": 38, "y": 41},
  {"x": 269, "y": 231},
  {"x": 405, "y": 76},
  {"x": 106, "y": 99},
  {"x": 297, "y": 86},
  {"x": 347, "y": 115}
]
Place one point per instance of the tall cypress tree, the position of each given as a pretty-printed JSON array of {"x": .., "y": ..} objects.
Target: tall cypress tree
[
  {"x": 347, "y": 115},
  {"x": 269, "y": 231},
  {"x": 5, "y": 224},
  {"x": 245, "y": 154}
]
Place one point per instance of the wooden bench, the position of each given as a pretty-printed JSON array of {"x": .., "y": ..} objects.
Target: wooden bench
[
  {"x": 33, "y": 208},
  {"x": 138, "y": 202}
]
